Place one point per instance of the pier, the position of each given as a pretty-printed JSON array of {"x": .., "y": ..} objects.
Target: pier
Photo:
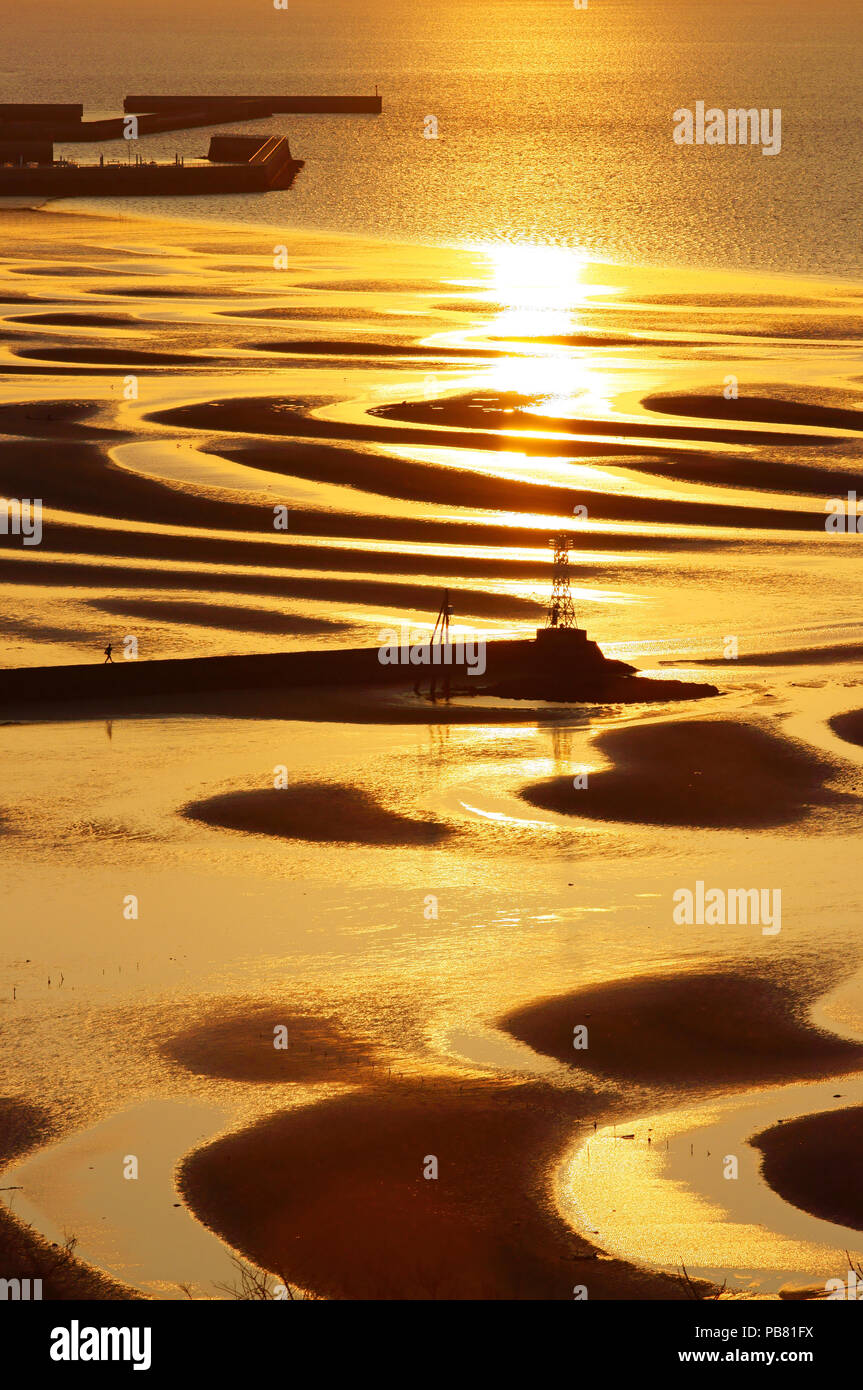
[
  {"x": 515, "y": 668},
  {"x": 235, "y": 164},
  {"x": 269, "y": 105},
  {"x": 41, "y": 111},
  {"x": 64, "y": 123},
  {"x": 80, "y": 132}
]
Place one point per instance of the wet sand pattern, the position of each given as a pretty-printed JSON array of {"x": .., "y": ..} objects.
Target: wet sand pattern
[{"x": 428, "y": 417}]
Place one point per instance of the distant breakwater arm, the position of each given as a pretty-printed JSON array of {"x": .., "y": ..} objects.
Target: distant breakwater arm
[
  {"x": 270, "y": 105},
  {"x": 64, "y": 124}
]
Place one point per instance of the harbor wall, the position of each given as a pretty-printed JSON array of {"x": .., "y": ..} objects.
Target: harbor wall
[
  {"x": 41, "y": 111},
  {"x": 277, "y": 105},
  {"x": 114, "y": 127},
  {"x": 273, "y": 166},
  {"x": 281, "y": 670}
]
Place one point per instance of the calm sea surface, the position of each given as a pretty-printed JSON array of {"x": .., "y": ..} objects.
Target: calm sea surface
[{"x": 554, "y": 123}]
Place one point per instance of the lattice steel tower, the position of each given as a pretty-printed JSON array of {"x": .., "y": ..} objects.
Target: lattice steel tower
[{"x": 561, "y": 613}]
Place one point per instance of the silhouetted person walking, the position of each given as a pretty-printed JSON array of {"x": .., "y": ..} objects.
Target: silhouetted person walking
[{"x": 108, "y": 656}]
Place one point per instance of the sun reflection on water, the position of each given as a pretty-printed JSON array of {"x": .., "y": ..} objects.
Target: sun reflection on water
[{"x": 540, "y": 292}]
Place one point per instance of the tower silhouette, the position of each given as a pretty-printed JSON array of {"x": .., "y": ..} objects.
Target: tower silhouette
[{"x": 561, "y": 613}]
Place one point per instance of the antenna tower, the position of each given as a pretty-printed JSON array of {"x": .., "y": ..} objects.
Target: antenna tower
[{"x": 561, "y": 613}]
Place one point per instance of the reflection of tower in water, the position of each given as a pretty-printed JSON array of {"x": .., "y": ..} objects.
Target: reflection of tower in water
[
  {"x": 561, "y": 744},
  {"x": 439, "y": 739}
]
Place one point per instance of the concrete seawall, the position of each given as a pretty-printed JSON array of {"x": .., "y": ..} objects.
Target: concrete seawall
[
  {"x": 273, "y": 166},
  {"x": 282, "y": 670},
  {"x": 514, "y": 669},
  {"x": 65, "y": 125},
  {"x": 269, "y": 105}
]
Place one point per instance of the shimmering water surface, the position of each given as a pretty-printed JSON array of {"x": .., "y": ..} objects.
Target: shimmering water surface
[{"x": 554, "y": 122}]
